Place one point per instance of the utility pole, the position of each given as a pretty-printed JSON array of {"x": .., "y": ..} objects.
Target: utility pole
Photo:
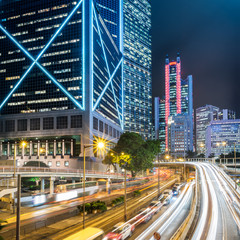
[
  {"x": 158, "y": 176},
  {"x": 125, "y": 195},
  {"x": 18, "y": 208}
]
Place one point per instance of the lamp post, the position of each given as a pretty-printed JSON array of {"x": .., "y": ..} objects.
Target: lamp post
[
  {"x": 158, "y": 176},
  {"x": 224, "y": 145},
  {"x": 22, "y": 144},
  {"x": 100, "y": 145},
  {"x": 235, "y": 158}
]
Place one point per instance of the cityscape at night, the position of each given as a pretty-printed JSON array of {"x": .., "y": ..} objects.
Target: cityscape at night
[{"x": 119, "y": 119}]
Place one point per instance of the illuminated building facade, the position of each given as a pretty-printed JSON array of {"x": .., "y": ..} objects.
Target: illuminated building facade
[
  {"x": 204, "y": 116},
  {"x": 222, "y": 131},
  {"x": 61, "y": 67},
  {"x": 180, "y": 134},
  {"x": 137, "y": 66},
  {"x": 172, "y": 91}
]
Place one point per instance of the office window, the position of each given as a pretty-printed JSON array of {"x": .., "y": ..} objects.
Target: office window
[
  {"x": 106, "y": 128},
  {"x": 1, "y": 126},
  {"x": 48, "y": 123},
  {"x": 35, "y": 124},
  {"x": 100, "y": 126},
  {"x": 62, "y": 122},
  {"x": 22, "y": 125},
  {"x": 114, "y": 133},
  {"x": 10, "y": 125},
  {"x": 76, "y": 121},
  {"x": 110, "y": 131},
  {"x": 95, "y": 123}
]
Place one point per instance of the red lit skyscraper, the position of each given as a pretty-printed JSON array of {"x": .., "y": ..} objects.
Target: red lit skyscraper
[{"x": 172, "y": 91}]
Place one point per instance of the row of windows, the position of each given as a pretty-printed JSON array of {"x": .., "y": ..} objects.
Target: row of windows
[
  {"x": 48, "y": 123},
  {"x": 104, "y": 128}
]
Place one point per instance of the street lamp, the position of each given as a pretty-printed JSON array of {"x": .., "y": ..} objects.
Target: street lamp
[
  {"x": 235, "y": 158},
  {"x": 167, "y": 157},
  {"x": 100, "y": 145},
  {"x": 23, "y": 145}
]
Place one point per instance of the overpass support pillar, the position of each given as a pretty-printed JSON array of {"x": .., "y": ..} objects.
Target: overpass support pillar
[
  {"x": 52, "y": 179},
  {"x": 42, "y": 184}
]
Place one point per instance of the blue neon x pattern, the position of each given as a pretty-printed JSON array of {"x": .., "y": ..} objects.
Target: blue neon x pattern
[
  {"x": 110, "y": 81},
  {"x": 35, "y": 62}
]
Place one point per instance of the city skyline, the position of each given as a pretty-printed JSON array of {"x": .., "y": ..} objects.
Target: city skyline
[{"x": 208, "y": 45}]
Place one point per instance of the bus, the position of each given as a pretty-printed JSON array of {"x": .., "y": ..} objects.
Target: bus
[{"x": 89, "y": 233}]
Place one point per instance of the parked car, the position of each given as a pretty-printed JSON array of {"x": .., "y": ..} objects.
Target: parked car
[
  {"x": 120, "y": 231},
  {"x": 155, "y": 206},
  {"x": 144, "y": 215},
  {"x": 165, "y": 200}
]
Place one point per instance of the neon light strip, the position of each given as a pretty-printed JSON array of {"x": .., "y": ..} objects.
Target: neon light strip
[
  {"x": 178, "y": 87},
  {"x": 39, "y": 56},
  {"x": 83, "y": 55},
  {"x": 167, "y": 104},
  {"x": 105, "y": 56},
  {"x": 106, "y": 86}
]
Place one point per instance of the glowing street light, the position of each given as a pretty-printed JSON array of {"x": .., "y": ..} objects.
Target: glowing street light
[{"x": 100, "y": 145}]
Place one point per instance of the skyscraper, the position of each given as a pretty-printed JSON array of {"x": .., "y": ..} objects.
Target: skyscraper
[
  {"x": 137, "y": 66},
  {"x": 178, "y": 100},
  {"x": 61, "y": 77},
  {"x": 172, "y": 91},
  {"x": 222, "y": 131},
  {"x": 204, "y": 116}
]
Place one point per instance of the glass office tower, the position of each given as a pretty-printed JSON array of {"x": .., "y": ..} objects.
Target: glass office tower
[
  {"x": 61, "y": 77},
  {"x": 137, "y": 66}
]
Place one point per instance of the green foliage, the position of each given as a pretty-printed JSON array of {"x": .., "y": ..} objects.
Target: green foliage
[
  {"x": 118, "y": 200},
  {"x": 89, "y": 207},
  {"x": 136, "y": 193},
  {"x": 133, "y": 153}
]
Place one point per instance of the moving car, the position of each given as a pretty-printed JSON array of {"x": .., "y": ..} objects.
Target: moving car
[
  {"x": 121, "y": 231},
  {"x": 144, "y": 215},
  {"x": 178, "y": 185},
  {"x": 89, "y": 233},
  {"x": 167, "y": 193},
  {"x": 175, "y": 191},
  {"x": 165, "y": 200},
  {"x": 155, "y": 206}
]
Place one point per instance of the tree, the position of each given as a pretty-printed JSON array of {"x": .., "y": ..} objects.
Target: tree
[
  {"x": 190, "y": 154},
  {"x": 133, "y": 153},
  {"x": 212, "y": 155}
]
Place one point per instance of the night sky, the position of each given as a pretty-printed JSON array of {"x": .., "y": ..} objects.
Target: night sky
[{"x": 207, "y": 35}]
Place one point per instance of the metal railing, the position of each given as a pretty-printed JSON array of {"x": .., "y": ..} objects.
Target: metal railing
[{"x": 54, "y": 170}]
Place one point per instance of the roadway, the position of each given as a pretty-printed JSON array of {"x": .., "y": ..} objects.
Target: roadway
[
  {"x": 65, "y": 207},
  {"x": 169, "y": 219},
  {"x": 218, "y": 215},
  {"x": 106, "y": 220}
]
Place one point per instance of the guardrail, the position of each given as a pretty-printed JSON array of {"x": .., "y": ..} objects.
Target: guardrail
[
  {"x": 54, "y": 170},
  {"x": 183, "y": 230}
]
